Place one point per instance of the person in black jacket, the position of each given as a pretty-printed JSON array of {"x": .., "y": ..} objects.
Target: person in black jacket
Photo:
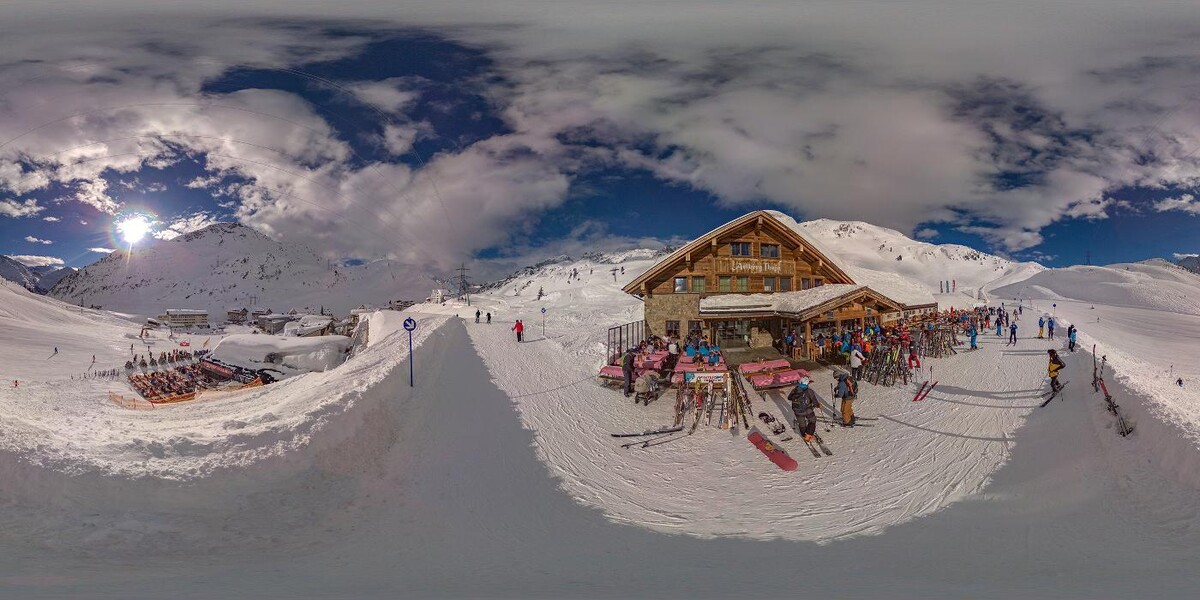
[
  {"x": 804, "y": 407},
  {"x": 627, "y": 371}
]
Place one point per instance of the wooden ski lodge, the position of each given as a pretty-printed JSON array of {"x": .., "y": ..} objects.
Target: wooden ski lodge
[{"x": 749, "y": 281}]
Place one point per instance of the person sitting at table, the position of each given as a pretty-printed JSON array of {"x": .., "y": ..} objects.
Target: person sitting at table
[
  {"x": 714, "y": 356},
  {"x": 690, "y": 351}
]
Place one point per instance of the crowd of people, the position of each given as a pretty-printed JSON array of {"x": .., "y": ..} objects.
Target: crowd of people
[
  {"x": 171, "y": 382},
  {"x": 151, "y": 361}
]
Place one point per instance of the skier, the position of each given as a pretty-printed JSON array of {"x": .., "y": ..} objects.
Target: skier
[
  {"x": 974, "y": 333},
  {"x": 1071, "y": 331},
  {"x": 56, "y": 349},
  {"x": 520, "y": 329},
  {"x": 804, "y": 407},
  {"x": 1012, "y": 335},
  {"x": 627, "y": 372},
  {"x": 1179, "y": 382},
  {"x": 847, "y": 390},
  {"x": 1020, "y": 310},
  {"x": 489, "y": 318},
  {"x": 1041, "y": 326},
  {"x": 856, "y": 362},
  {"x": 477, "y": 315},
  {"x": 1050, "y": 328},
  {"x": 999, "y": 324},
  {"x": 1056, "y": 365}
]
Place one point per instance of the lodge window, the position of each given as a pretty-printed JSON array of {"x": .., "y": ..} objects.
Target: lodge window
[
  {"x": 698, "y": 285},
  {"x": 785, "y": 284},
  {"x": 768, "y": 284},
  {"x": 680, "y": 285},
  {"x": 725, "y": 283},
  {"x": 768, "y": 250},
  {"x": 672, "y": 328},
  {"x": 695, "y": 326},
  {"x": 817, "y": 282},
  {"x": 743, "y": 283},
  {"x": 740, "y": 249},
  {"x": 805, "y": 283}
]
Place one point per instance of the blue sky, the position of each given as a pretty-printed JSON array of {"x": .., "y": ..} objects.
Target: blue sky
[{"x": 438, "y": 137}]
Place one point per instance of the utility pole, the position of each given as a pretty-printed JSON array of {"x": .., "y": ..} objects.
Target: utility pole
[
  {"x": 464, "y": 288},
  {"x": 1088, "y": 261}
]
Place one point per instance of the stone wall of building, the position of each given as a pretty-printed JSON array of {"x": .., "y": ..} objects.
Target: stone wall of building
[{"x": 661, "y": 308}]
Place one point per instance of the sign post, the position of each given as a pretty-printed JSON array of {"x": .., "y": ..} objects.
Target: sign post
[
  {"x": 543, "y": 321},
  {"x": 409, "y": 325}
]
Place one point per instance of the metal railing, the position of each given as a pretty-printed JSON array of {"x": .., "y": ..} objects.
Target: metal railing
[{"x": 622, "y": 337}]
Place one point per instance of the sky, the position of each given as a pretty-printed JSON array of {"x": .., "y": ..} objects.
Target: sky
[{"x": 436, "y": 133}]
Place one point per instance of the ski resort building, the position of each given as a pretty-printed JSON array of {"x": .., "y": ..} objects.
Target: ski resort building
[
  {"x": 749, "y": 281},
  {"x": 184, "y": 317}
]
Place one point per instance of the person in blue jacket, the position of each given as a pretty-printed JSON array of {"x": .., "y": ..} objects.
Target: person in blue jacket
[
  {"x": 999, "y": 323},
  {"x": 1050, "y": 327},
  {"x": 974, "y": 333},
  {"x": 1012, "y": 335},
  {"x": 1041, "y": 325},
  {"x": 1071, "y": 332}
]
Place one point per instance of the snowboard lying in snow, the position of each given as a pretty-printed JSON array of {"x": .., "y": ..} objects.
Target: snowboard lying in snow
[{"x": 773, "y": 452}]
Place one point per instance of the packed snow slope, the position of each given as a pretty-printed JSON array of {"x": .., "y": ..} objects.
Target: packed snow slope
[
  {"x": 1145, "y": 317},
  {"x": 226, "y": 266},
  {"x": 868, "y": 246}
]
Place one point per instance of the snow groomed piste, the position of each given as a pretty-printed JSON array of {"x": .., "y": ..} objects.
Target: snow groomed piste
[{"x": 347, "y": 480}]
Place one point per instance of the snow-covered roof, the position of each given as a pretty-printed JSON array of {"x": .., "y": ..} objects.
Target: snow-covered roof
[
  {"x": 779, "y": 302},
  {"x": 895, "y": 287}
]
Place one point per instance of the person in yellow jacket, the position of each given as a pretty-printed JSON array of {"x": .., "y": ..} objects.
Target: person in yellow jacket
[{"x": 1056, "y": 365}]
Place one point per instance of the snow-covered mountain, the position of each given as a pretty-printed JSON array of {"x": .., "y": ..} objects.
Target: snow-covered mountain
[
  {"x": 1153, "y": 284},
  {"x": 638, "y": 260},
  {"x": 223, "y": 266},
  {"x": 17, "y": 273},
  {"x": 1191, "y": 263},
  {"x": 877, "y": 248},
  {"x": 51, "y": 277}
]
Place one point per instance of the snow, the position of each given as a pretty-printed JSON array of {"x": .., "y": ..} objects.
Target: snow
[
  {"x": 781, "y": 302},
  {"x": 292, "y": 356},
  {"x": 495, "y": 476}
]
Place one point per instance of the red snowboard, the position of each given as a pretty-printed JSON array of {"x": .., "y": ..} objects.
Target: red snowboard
[{"x": 773, "y": 452}]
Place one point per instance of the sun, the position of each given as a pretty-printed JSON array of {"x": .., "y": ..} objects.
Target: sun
[{"x": 133, "y": 229}]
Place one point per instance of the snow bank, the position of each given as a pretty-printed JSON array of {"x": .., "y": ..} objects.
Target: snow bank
[
  {"x": 784, "y": 302},
  {"x": 291, "y": 355}
]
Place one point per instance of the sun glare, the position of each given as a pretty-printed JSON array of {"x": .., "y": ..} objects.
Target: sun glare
[{"x": 133, "y": 229}]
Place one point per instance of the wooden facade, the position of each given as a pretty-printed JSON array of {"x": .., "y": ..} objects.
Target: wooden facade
[{"x": 754, "y": 254}]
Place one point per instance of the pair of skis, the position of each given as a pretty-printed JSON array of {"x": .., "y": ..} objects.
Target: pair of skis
[
  {"x": 926, "y": 387},
  {"x": 653, "y": 438},
  {"x": 1052, "y": 394}
]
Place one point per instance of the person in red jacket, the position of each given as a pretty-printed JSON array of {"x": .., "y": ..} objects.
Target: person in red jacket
[{"x": 520, "y": 329}]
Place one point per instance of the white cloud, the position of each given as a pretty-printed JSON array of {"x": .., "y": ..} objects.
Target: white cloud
[
  {"x": 51, "y": 219},
  {"x": 32, "y": 260},
  {"x": 102, "y": 250},
  {"x": 185, "y": 224},
  {"x": 33, "y": 240},
  {"x": 927, "y": 233},
  {"x": 388, "y": 95},
  {"x": 12, "y": 208},
  {"x": 1185, "y": 203}
]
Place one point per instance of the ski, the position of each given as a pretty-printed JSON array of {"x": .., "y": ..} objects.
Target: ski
[
  {"x": 648, "y": 432},
  {"x": 925, "y": 394},
  {"x": 813, "y": 449},
  {"x": 822, "y": 446},
  {"x": 1052, "y": 394},
  {"x": 662, "y": 440},
  {"x": 643, "y": 442},
  {"x": 917, "y": 396}
]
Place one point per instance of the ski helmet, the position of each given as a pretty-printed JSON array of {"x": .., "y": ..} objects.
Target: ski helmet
[{"x": 804, "y": 381}]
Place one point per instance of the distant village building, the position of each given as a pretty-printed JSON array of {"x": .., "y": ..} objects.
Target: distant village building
[
  {"x": 274, "y": 323},
  {"x": 400, "y": 304},
  {"x": 237, "y": 315},
  {"x": 755, "y": 278},
  {"x": 184, "y": 317}
]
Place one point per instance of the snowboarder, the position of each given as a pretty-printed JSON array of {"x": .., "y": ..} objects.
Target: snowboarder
[
  {"x": 1056, "y": 365},
  {"x": 477, "y": 315},
  {"x": 1050, "y": 328},
  {"x": 1071, "y": 331},
  {"x": 1012, "y": 335},
  {"x": 804, "y": 407},
  {"x": 489, "y": 318},
  {"x": 1041, "y": 326},
  {"x": 627, "y": 371},
  {"x": 520, "y": 329},
  {"x": 847, "y": 390}
]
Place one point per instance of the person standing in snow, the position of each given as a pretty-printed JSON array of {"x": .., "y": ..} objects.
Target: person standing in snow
[
  {"x": 1041, "y": 326},
  {"x": 999, "y": 325},
  {"x": 856, "y": 362},
  {"x": 520, "y": 329},
  {"x": 1050, "y": 327},
  {"x": 477, "y": 315},
  {"x": 1056, "y": 365},
  {"x": 804, "y": 407},
  {"x": 627, "y": 371},
  {"x": 1012, "y": 335},
  {"x": 489, "y": 318},
  {"x": 1071, "y": 331},
  {"x": 672, "y": 354},
  {"x": 974, "y": 333},
  {"x": 847, "y": 390}
]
